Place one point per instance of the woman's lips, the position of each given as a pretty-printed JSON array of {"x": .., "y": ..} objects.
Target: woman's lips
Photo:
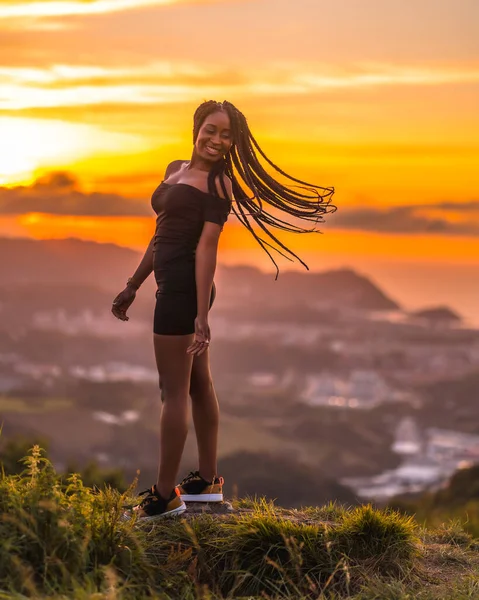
[{"x": 212, "y": 151}]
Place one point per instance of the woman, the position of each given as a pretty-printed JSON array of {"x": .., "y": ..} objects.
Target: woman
[{"x": 192, "y": 205}]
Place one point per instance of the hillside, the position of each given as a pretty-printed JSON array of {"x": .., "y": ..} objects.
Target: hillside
[
  {"x": 437, "y": 314},
  {"x": 457, "y": 500},
  {"x": 341, "y": 288},
  {"x": 51, "y": 263},
  {"x": 62, "y": 539},
  {"x": 69, "y": 261}
]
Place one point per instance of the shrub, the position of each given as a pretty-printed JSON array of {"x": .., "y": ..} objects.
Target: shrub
[{"x": 57, "y": 534}]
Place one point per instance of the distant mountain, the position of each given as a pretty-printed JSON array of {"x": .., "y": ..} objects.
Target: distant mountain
[
  {"x": 106, "y": 266},
  {"x": 65, "y": 261},
  {"x": 438, "y": 314},
  {"x": 342, "y": 288}
]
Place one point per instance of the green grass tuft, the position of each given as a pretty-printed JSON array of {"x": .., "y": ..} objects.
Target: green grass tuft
[
  {"x": 451, "y": 532},
  {"x": 333, "y": 511},
  {"x": 387, "y": 539}
]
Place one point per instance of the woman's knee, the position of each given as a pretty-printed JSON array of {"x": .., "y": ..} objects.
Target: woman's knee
[
  {"x": 201, "y": 385},
  {"x": 177, "y": 390}
]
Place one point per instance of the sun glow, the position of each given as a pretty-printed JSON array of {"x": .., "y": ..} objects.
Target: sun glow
[
  {"x": 63, "y": 8},
  {"x": 30, "y": 145},
  {"x": 136, "y": 232},
  {"x": 133, "y": 232}
]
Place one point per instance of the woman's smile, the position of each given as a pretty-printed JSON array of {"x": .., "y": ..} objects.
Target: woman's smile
[{"x": 211, "y": 150}]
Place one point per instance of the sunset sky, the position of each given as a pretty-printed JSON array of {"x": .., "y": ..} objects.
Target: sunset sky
[{"x": 378, "y": 98}]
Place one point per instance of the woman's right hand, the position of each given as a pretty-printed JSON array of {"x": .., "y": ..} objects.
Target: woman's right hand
[{"x": 122, "y": 303}]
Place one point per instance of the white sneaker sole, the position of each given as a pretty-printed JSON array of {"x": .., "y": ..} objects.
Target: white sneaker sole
[
  {"x": 171, "y": 513},
  {"x": 202, "y": 497}
]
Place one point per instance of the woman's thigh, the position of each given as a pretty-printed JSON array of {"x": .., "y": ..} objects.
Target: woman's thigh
[{"x": 174, "y": 363}]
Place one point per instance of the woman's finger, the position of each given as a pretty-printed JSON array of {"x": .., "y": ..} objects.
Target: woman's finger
[
  {"x": 198, "y": 347},
  {"x": 193, "y": 349},
  {"x": 119, "y": 313}
]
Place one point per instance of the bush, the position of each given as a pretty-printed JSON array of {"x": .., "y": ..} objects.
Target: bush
[{"x": 60, "y": 534}]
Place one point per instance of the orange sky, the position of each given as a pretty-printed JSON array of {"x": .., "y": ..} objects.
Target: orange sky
[{"x": 377, "y": 99}]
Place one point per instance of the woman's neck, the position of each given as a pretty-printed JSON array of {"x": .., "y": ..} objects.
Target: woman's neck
[{"x": 198, "y": 165}]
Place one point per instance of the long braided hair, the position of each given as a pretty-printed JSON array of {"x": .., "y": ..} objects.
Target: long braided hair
[{"x": 243, "y": 156}]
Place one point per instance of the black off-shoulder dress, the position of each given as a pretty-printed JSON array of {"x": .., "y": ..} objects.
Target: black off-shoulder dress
[{"x": 182, "y": 210}]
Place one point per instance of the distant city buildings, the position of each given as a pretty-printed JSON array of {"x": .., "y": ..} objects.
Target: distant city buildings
[
  {"x": 126, "y": 417},
  {"x": 351, "y": 360},
  {"x": 430, "y": 458},
  {"x": 115, "y": 372},
  {"x": 86, "y": 322},
  {"x": 409, "y": 440},
  {"x": 361, "y": 389}
]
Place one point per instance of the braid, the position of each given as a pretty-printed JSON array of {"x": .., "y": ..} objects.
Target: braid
[{"x": 243, "y": 159}]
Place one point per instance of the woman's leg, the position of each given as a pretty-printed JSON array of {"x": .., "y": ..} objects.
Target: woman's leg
[
  {"x": 174, "y": 368},
  {"x": 205, "y": 415}
]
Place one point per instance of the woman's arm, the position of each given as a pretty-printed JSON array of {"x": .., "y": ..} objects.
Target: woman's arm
[
  {"x": 216, "y": 214},
  {"x": 205, "y": 266},
  {"x": 125, "y": 299},
  {"x": 145, "y": 268},
  {"x": 207, "y": 248}
]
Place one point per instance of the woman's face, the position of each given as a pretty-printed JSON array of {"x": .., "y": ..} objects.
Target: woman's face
[{"x": 214, "y": 137}]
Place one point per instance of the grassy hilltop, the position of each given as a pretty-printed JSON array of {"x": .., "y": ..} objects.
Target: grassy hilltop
[{"x": 61, "y": 539}]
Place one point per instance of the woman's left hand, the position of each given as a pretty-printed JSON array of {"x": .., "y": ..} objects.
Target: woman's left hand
[{"x": 202, "y": 337}]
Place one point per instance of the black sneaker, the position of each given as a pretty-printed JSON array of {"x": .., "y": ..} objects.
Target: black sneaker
[
  {"x": 154, "y": 506},
  {"x": 194, "y": 488}
]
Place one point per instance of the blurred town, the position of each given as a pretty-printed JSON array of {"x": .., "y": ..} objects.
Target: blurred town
[{"x": 320, "y": 376}]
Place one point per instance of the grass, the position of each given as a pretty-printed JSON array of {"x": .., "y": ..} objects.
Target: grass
[
  {"x": 30, "y": 406},
  {"x": 466, "y": 514},
  {"x": 60, "y": 539}
]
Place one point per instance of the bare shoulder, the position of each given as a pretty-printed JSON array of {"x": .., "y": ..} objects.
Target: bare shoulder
[
  {"x": 173, "y": 167},
  {"x": 228, "y": 185}
]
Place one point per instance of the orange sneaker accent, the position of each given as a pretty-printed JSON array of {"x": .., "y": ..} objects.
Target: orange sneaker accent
[{"x": 194, "y": 488}]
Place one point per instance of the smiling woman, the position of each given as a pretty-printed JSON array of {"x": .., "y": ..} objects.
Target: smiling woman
[
  {"x": 228, "y": 172},
  {"x": 32, "y": 144}
]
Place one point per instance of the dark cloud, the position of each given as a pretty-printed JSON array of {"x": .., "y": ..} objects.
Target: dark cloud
[
  {"x": 58, "y": 193},
  {"x": 472, "y": 206},
  {"x": 217, "y": 78},
  {"x": 420, "y": 218}
]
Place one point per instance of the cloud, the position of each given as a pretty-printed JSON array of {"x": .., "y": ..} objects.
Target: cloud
[
  {"x": 161, "y": 82},
  {"x": 60, "y": 8},
  {"x": 377, "y": 74},
  {"x": 438, "y": 218},
  {"x": 176, "y": 81},
  {"x": 58, "y": 193},
  {"x": 472, "y": 206}
]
